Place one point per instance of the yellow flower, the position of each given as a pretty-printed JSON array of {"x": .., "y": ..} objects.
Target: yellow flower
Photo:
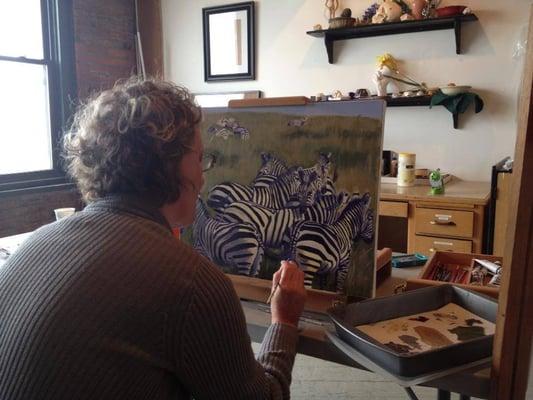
[{"x": 388, "y": 61}]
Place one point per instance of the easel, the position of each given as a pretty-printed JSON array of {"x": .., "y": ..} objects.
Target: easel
[{"x": 316, "y": 334}]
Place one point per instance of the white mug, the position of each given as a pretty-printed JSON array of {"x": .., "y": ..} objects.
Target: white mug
[{"x": 64, "y": 212}]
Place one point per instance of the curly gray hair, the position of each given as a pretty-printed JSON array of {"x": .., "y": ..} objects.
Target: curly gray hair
[{"x": 130, "y": 140}]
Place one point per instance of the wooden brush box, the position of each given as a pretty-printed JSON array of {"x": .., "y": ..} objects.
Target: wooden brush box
[{"x": 453, "y": 268}]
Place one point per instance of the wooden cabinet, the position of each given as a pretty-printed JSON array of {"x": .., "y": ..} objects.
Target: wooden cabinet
[{"x": 449, "y": 222}]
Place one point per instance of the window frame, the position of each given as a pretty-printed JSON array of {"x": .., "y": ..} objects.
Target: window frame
[{"x": 59, "y": 58}]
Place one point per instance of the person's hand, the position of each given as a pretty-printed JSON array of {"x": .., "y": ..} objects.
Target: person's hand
[{"x": 288, "y": 302}]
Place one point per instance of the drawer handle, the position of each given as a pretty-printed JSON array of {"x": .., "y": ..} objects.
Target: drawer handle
[
  {"x": 432, "y": 250},
  {"x": 442, "y": 219},
  {"x": 441, "y": 222}
]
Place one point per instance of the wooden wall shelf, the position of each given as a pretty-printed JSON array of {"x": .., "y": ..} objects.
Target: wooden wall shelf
[
  {"x": 332, "y": 35},
  {"x": 419, "y": 101}
]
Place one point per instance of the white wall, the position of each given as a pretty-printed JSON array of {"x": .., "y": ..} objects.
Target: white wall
[{"x": 289, "y": 62}]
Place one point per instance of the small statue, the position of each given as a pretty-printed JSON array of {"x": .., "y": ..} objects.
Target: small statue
[
  {"x": 382, "y": 77},
  {"x": 332, "y": 6},
  {"x": 436, "y": 182}
]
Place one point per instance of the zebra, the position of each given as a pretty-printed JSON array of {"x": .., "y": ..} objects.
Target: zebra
[
  {"x": 298, "y": 122},
  {"x": 272, "y": 224},
  {"x": 235, "y": 245},
  {"x": 281, "y": 194},
  {"x": 271, "y": 169},
  {"x": 327, "y": 173},
  {"x": 321, "y": 248},
  {"x": 226, "y": 127}
]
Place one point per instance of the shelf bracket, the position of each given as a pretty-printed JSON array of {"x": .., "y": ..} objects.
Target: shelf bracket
[
  {"x": 457, "y": 30},
  {"x": 329, "y": 48}
]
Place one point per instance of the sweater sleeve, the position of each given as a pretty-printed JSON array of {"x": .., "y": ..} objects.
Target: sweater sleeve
[{"x": 214, "y": 354}]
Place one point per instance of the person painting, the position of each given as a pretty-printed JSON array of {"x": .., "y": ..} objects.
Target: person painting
[{"x": 107, "y": 304}]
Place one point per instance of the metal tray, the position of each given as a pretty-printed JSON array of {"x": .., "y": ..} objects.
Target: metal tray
[{"x": 347, "y": 317}]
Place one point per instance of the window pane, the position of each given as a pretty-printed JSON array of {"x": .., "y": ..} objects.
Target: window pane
[
  {"x": 21, "y": 28},
  {"x": 25, "y": 140}
]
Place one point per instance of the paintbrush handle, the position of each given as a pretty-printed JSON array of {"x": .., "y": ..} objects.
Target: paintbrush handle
[{"x": 272, "y": 293}]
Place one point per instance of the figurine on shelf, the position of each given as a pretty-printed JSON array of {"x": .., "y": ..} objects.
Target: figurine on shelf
[
  {"x": 369, "y": 13},
  {"x": 417, "y": 8},
  {"x": 429, "y": 10},
  {"x": 388, "y": 11},
  {"x": 382, "y": 77},
  {"x": 436, "y": 182},
  {"x": 388, "y": 73},
  {"x": 331, "y": 7}
]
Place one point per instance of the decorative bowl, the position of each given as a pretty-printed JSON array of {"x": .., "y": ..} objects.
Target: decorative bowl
[
  {"x": 450, "y": 11},
  {"x": 341, "y": 22},
  {"x": 452, "y": 90}
]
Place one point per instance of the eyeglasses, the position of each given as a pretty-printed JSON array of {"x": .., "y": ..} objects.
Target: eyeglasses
[{"x": 208, "y": 160}]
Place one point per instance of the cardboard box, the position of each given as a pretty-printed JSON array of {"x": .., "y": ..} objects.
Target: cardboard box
[{"x": 458, "y": 268}]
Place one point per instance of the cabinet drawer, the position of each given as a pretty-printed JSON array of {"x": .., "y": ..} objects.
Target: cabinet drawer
[
  {"x": 434, "y": 221},
  {"x": 393, "y": 209},
  {"x": 427, "y": 245}
]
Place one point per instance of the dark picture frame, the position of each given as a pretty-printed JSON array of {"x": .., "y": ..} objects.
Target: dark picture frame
[{"x": 229, "y": 42}]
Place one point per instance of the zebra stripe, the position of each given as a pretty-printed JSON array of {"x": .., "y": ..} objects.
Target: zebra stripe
[
  {"x": 234, "y": 245},
  {"x": 320, "y": 249},
  {"x": 272, "y": 224},
  {"x": 283, "y": 193}
]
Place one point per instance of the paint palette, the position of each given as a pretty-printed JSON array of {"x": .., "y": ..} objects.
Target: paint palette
[
  {"x": 413, "y": 334},
  {"x": 420, "y": 331}
]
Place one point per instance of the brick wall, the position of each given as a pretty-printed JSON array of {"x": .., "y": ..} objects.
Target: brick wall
[
  {"x": 105, "y": 52},
  {"x": 104, "y": 43}
]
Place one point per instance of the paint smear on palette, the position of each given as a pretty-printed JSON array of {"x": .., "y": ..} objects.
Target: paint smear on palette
[
  {"x": 421, "y": 332},
  {"x": 468, "y": 332},
  {"x": 432, "y": 337},
  {"x": 420, "y": 318},
  {"x": 472, "y": 321},
  {"x": 411, "y": 341},
  {"x": 398, "y": 348}
]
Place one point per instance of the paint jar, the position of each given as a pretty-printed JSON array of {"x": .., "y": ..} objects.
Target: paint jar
[{"x": 406, "y": 169}]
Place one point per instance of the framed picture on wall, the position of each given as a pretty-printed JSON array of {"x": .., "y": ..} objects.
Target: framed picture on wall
[{"x": 229, "y": 50}]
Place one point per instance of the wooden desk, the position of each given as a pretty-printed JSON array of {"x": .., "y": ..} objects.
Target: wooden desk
[{"x": 449, "y": 222}]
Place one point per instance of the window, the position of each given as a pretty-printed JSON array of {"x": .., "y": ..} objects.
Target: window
[{"x": 37, "y": 82}]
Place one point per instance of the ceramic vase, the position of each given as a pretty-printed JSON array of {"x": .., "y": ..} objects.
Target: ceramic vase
[{"x": 417, "y": 6}]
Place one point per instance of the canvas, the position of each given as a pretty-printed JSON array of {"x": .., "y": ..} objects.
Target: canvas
[{"x": 293, "y": 182}]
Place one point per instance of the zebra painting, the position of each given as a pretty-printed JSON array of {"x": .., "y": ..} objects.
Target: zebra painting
[
  {"x": 290, "y": 173},
  {"x": 321, "y": 249},
  {"x": 234, "y": 245}
]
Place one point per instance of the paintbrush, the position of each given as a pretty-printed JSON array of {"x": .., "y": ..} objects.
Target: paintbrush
[{"x": 272, "y": 293}]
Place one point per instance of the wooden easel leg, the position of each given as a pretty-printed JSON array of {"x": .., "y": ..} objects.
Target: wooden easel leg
[{"x": 443, "y": 395}]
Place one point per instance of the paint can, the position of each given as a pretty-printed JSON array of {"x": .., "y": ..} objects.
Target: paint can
[{"x": 406, "y": 169}]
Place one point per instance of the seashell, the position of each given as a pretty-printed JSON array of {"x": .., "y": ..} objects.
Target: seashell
[{"x": 346, "y": 13}]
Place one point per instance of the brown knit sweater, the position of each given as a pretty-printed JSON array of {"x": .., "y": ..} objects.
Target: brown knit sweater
[{"x": 106, "y": 304}]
